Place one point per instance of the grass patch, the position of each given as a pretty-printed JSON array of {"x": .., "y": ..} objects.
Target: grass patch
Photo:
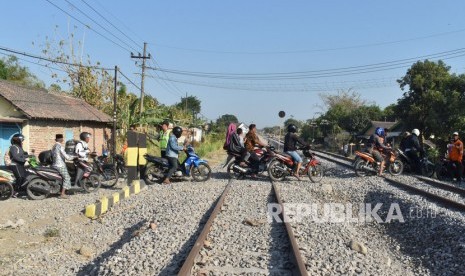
[{"x": 52, "y": 233}]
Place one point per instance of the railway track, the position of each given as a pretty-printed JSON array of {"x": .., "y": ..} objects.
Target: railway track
[
  {"x": 446, "y": 194},
  {"x": 239, "y": 223}
]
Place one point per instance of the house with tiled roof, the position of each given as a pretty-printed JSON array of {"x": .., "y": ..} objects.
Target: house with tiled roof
[{"x": 39, "y": 114}]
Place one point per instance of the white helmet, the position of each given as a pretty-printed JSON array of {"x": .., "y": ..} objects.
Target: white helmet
[{"x": 416, "y": 132}]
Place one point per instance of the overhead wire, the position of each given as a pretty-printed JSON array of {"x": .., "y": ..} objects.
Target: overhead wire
[
  {"x": 88, "y": 26},
  {"x": 109, "y": 22},
  {"x": 310, "y": 50}
]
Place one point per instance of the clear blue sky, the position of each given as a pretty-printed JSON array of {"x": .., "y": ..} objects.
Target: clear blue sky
[{"x": 256, "y": 37}]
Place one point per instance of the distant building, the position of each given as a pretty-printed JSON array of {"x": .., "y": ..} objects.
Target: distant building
[{"x": 39, "y": 115}]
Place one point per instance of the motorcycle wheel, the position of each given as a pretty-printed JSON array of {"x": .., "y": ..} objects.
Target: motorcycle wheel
[
  {"x": 396, "y": 167},
  {"x": 201, "y": 173},
  {"x": 427, "y": 170},
  {"x": 277, "y": 171},
  {"x": 92, "y": 183},
  {"x": 39, "y": 183},
  {"x": 359, "y": 168},
  {"x": 6, "y": 190},
  {"x": 152, "y": 175},
  {"x": 232, "y": 173},
  {"x": 315, "y": 173},
  {"x": 109, "y": 178}
]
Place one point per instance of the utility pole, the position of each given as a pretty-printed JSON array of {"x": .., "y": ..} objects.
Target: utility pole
[
  {"x": 114, "y": 111},
  {"x": 185, "y": 99},
  {"x": 143, "y": 57}
]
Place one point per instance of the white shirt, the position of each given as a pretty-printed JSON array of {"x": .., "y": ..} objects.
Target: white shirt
[{"x": 82, "y": 150}]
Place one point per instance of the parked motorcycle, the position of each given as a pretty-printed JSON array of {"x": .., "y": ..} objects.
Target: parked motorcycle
[
  {"x": 283, "y": 165},
  {"x": 426, "y": 166},
  {"x": 6, "y": 185},
  {"x": 45, "y": 181},
  {"x": 157, "y": 168},
  {"x": 108, "y": 174},
  {"x": 120, "y": 166},
  {"x": 235, "y": 170},
  {"x": 366, "y": 165}
]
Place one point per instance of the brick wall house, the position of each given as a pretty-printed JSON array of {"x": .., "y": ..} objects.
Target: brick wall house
[{"x": 39, "y": 115}]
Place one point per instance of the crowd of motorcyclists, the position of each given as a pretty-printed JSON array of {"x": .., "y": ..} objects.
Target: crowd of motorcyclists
[{"x": 236, "y": 143}]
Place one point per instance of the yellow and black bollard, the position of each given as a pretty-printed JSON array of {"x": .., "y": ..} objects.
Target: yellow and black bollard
[{"x": 131, "y": 156}]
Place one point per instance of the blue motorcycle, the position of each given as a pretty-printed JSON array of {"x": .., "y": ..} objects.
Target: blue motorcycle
[{"x": 157, "y": 168}]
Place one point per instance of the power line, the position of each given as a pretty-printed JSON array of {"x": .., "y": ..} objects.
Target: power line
[
  {"x": 128, "y": 79},
  {"x": 109, "y": 22},
  {"x": 310, "y": 50},
  {"x": 317, "y": 73},
  {"x": 88, "y": 26},
  {"x": 36, "y": 63},
  {"x": 98, "y": 24},
  {"x": 52, "y": 60}
]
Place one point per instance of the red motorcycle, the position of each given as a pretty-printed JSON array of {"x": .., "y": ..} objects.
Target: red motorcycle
[
  {"x": 283, "y": 165},
  {"x": 235, "y": 170}
]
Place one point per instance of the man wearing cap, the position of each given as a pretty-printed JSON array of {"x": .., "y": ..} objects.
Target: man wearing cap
[
  {"x": 455, "y": 156},
  {"x": 59, "y": 156},
  {"x": 163, "y": 137}
]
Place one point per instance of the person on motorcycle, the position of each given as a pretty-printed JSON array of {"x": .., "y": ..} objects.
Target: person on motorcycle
[
  {"x": 290, "y": 147},
  {"x": 236, "y": 145},
  {"x": 374, "y": 147},
  {"x": 403, "y": 141},
  {"x": 163, "y": 137},
  {"x": 59, "y": 156},
  {"x": 251, "y": 139},
  {"x": 172, "y": 152},
  {"x": 412, "y": 148},
  {"x": 82, "y": 151},
  {"x": 17, "y": 155},
  {"x": 455, "y": 156}
]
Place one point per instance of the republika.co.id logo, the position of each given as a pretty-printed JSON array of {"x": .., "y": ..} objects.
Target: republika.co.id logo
[{"x": 335, "y": 212}]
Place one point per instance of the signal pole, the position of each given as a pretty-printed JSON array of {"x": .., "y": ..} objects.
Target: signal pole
[{"x": 143, "y": 57}]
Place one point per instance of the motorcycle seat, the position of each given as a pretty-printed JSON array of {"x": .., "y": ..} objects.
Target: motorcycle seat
[{"x": 46, "y": 169}]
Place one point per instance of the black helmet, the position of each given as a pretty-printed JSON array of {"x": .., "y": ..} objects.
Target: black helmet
[
  {"x": 18, "y": 139},
  {"x": 84, "y": 135},
  {"x": 177, "y": 131},
  {"x": 291, "y": 128}
]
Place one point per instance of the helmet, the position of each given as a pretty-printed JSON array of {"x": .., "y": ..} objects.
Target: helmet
[
  {"x": 292, "y": 128},
  {"x": 416, "y": 132},
  {"x": 84, "y": 135},
  {"x": 18, "y": 138},
  {"x": 380, "y": 131},
  {"x": 105, "y": 153},
  {"x": 177, "y": 131}
]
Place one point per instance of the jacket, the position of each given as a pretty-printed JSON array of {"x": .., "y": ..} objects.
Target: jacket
[
  {"x": 456, "y": 153},
  {"x": 413, "y": 143},
  {"x": 235, "y": 144},
  {"x": 163, "y": 138},
  {"x": 172, "y": 150},
  {"x": 17, "y": 155},
  {"x": 291, "y": 140}
]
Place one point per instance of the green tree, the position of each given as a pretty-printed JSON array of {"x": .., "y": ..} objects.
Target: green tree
[
  {"x": 189, "y": 103},
  {"x": 11, "y": 70},
  {"x": 433, "y": 102},
  {"x": 225, "y": 120}
]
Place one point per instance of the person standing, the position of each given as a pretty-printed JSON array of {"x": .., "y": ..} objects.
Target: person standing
[
  {"x": 59, "y": 156},
  {"x": 455, "y": 156},
  {"x": 163, "y": 137},
  {"x": 412, "y": 148},
  {"x": 172, "y": 152},
  {"x": 17, "y": 155}
]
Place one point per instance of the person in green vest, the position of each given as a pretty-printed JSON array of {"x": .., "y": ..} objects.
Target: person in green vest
[{"x": 163, "y": 137}]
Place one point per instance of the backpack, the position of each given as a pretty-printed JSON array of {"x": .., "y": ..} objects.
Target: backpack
[
  {"x": 70, "y": 146},
  {"x": 7, "y": 158},
  {"x": 46, "y": 157}
]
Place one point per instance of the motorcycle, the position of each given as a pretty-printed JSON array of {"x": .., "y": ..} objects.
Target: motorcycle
[
  {"x": 120, "y": 166},
  {"x": 6, "y": 185},
  {"x": 366, "y": 165},
  {"x": 283, "y": 165},
  {"x": 44, "y": 181},
  {"x": 426, "y": 166},
  {"x": 193, "y": 166},
  {"x": 235, "y": 170},
  {"x": 109, "y": 175}
]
